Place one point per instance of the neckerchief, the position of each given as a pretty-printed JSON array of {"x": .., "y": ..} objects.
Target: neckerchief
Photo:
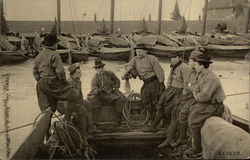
[{"x": 174, "y": 66}]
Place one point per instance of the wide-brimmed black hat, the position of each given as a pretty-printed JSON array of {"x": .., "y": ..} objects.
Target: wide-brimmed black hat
[
  {"x": 50, "y": 39},
  {"x": 98, "y": 64},
  {"x": 203, "y": 58},
  {"x": 194, "y": 54},
  {"x": 172, "y": 55}
]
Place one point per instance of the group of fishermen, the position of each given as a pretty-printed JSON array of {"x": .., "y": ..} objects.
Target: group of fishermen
[{"x": 192, "y": 94}]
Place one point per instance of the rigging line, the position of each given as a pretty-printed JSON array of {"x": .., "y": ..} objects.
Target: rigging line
[
  {"x": 183, "y": 53},
  {"x": 70, "y": 5},
  {"x": 133, "y": 22},
  {"x": 152, "y": 7},
  {"x": 78, "y": 27},
  {"x": 143, "y": 11}
]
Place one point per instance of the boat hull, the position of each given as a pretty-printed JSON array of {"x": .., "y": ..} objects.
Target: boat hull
[
  {"x": 113, "y": 54},
  {"x": 227, "y": 51},
  {"x": 63, "y": 54},
  {"x": 167, "y": 51},
  {"x": 79, "y": 56},
  {"x": 30, "y": 146},
  {"x": 12, "y": 57}
]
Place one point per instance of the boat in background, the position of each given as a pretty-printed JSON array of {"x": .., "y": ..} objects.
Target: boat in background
[
  {"x": 112, "y": 54},
  {"x": 10, "y": 50},
  {"x": 12, "y": 57},
  {"x": 108, "y": 46}
]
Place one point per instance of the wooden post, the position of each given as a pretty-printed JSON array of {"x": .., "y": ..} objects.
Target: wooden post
[
  {"x": 159, "y": 16},
  {"x": 247, "y": 21},
  {"x": 58, "y": 17},
  {"x": 95, "y": 17},
  {"x": 204, "y": 18},
  {"x": 149, "y": 17},
  {"x": 112, "y": 16},
  {"x": 1, "y": 14}
]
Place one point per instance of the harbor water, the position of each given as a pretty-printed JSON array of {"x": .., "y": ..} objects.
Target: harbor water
[{"x": 19, "y": 106}]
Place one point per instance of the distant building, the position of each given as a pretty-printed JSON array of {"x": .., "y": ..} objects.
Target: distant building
[{"x": 232, "y": 12}]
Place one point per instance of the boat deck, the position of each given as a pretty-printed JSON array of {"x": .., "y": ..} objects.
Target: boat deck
[{"x": 124, "y": 137}]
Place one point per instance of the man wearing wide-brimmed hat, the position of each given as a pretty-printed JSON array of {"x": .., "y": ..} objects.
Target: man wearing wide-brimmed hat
[
  {"x": 209, "y": 96},
  {"x": 148, "y": 69},
  {"x": 83, "y": 109},
  {"x": 105, "y": 90},
  {"x": 51, "y": 79}
]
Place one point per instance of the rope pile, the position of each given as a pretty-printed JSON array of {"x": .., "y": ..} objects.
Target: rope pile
[
  {"x": 71, "y": 141},
  {"x": 127, "y": 112},
  {"x": 66, "y": 138}
]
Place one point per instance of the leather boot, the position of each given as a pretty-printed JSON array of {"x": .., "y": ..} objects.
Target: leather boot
[
  {"x": 196, "y": 145},
  {"x": 170, "y": 134},
  {"x": 157, "y": 120},
  {"x": 183, "y": 136},
  {"x": 83, "y": 126}
]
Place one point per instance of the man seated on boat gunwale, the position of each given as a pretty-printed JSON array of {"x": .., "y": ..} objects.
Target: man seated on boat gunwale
[
  {"x": 49, "y": 73},
  {"x": 83, "y": 110},
  {"x": 168, "y": 103},
  {"x": 105, "y": 90},
  {"x": 209, "y": 96},
  {"x": 148, "y": 69},
  {"x": 187, "y": 99}
]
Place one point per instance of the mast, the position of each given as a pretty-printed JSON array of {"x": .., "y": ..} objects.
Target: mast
[
  {"x": 204, "y": 18},
  {"x": 95, "y": 17},
  {"x": 159, "y": 16},
  {"x": 1, "y": 14},
  {"x": 58, "y": 17},
  {"x": 247, "y": 19},
  {"x": 112, "y": 16}
]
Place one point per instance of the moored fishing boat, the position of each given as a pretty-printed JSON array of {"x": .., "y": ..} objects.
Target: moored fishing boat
[
  {"x": 12, "y": 57},
  {"x": 226, "y": 51},
  {"x": 113, "y": 54},
  {"x": 166, "y": 51}
]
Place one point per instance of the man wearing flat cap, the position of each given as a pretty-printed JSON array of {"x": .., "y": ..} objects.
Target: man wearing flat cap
[
  {"x": 209, "y": 96},
  {"x": 49, "y": 73},
  {"x": 187, "y": 99},
  {"x": 105, "y": 90},
  {"x": 83, "y": 119},
  {"x": 170, "y": 99},
  {"x": 149, "y": 70}
]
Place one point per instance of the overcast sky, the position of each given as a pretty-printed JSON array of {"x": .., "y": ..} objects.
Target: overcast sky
[{"x": 45, "y": 10}]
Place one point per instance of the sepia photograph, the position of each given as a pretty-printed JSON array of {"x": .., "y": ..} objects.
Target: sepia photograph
[{"x": 124, "y": 79}]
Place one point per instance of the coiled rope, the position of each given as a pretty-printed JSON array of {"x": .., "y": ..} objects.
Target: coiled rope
[
  {"x": 65, "y": 134},
  {"x": 127, "y": 115}
]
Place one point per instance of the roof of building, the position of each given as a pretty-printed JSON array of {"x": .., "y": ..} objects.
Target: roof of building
[{"x": 218, "y": 4}]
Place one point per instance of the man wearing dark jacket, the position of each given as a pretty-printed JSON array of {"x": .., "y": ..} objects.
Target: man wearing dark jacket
[
  {"x": 105, "y": 90},
  {"x": 49, "y": 73}
]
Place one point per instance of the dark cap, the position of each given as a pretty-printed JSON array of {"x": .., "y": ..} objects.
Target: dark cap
[
  {"x": 98, "y": 64},
  {"x": 50, "y": 39},
  {"x": 203, "y": 58}
]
